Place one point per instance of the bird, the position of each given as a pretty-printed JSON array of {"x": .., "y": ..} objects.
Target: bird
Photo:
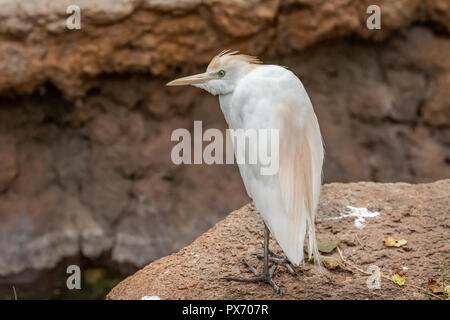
[{"x": 253, "y": 95}]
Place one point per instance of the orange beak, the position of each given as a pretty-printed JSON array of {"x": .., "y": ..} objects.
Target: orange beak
[{"x": 195, "y": 79}]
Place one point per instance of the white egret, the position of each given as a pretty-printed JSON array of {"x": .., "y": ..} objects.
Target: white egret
[{"x": 257, "y": 96}]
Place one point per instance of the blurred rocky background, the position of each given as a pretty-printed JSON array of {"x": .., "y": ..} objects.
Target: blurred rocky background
[{"x": 85, "y": 118}]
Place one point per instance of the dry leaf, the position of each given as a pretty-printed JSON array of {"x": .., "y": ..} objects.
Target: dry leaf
[
  {"x": 392, "y": 242},
  {"x": 447, "y": 291},
  {"x": 327, "y": 246},
  {"x": 398, "y": 278},
  {"x": 330, "y": 262},
  {"x": 434, "y": 286}
]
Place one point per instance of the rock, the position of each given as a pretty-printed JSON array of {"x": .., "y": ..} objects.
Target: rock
[
  {"x": 409, "y": 91},
  {"x": 154, "y": 36},
  {"x": 437, "y": 109},
  {"x": 8, "y": 168},
  {"x": 195, "y": 272}
]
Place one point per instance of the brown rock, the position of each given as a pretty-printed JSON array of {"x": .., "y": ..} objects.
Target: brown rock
[
  {"x": 409, "y": 89},
  {"x": 195, "y": 272},
  {"x": 437, "y": 109},
  {"x": 146, "y": 35},
  {"x": 8, "y": 168}
]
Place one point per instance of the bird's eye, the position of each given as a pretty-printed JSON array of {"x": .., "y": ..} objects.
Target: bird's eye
[{"x": 221, "y": 73}]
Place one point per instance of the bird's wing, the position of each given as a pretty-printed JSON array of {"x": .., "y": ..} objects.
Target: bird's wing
[
  {"x": 300, "y": 172},
  {"x": 275, "y": 98}
]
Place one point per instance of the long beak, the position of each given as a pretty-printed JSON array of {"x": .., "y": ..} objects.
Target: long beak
[{"x": 195, "y": 79}]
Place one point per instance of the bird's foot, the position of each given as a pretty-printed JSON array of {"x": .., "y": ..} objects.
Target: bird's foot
[
  {"x": 259, "y": 277},
  {"x": 280, "y": 260}
]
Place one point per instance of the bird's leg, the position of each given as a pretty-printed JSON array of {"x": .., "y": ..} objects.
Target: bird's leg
[
  {"x": 267, "y": 274},
  {"x": 275, "y": 257},
  {"x": 279, "y": 259}
]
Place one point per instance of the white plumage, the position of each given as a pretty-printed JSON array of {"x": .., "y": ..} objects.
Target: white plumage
[
  {"x": 256, "y": 96},
  {"x": 272, "y": 97}
]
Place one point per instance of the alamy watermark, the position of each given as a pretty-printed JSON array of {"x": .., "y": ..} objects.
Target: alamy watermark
[
  {"x": 73, "y": 22},
  {"x": 251, "y": 146},
  {"x": 373, "y": 282},
  {"x": 74, "y": 280},
  {"x": 374, "y": 20}
]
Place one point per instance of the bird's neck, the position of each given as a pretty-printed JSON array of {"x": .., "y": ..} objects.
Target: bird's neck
[{"x": 225, "y": 105}]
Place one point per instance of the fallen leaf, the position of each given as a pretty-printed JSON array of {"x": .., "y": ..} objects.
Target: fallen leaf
[
  {"x": 330, "y": 262},
  {"x": 327, "y": 246},
  {"x": 392, "y": 242},
  {"x": 398, "y": 278},
  {"x": 434, "y": 286},
  {"x": 447, "y": 291}
]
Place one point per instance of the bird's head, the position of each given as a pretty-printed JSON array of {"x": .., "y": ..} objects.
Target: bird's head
[{"x": 222, "y": 74}]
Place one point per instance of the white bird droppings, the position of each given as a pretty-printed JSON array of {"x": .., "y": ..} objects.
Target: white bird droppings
[
  {"x": 359, "y": 213},
  {"x": 150, "y": 298}
]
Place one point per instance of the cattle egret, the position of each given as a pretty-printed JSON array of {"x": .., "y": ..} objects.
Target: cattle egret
[{"x": 257, "y": 96}]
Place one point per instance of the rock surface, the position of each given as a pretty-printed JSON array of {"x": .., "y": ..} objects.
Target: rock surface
[
  {"x": 85, "y": 118},
  {"x": 418, "y": 213},
  {"x": 157, "y": 36}
]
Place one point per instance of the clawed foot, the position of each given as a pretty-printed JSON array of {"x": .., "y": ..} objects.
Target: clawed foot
[
  {"x": 279, "y": 259},
  {"x": 259, "y": 277}
]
